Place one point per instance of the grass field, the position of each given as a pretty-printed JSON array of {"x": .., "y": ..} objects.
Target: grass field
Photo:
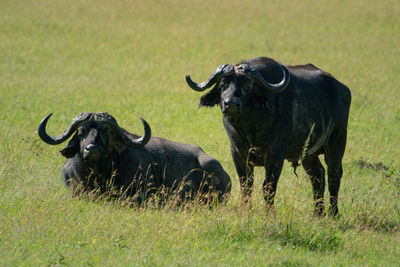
[{"x": 130, "y": 58}]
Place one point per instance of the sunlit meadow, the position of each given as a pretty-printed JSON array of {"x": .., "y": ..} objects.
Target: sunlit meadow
[{"x": 129, "y": 58}]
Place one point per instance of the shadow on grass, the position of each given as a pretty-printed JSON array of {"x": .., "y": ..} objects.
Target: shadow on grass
[
  {"x": 373, "y": 221},
  {"x": 362, "y": 164},
  {"x": 296, "y": 235},
  {"x": 285, "y": 232}
]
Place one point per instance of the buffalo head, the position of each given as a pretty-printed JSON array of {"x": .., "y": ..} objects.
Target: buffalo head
[
  {"x": 236, "y": 86},
  {"x": 97, "y": 136}
]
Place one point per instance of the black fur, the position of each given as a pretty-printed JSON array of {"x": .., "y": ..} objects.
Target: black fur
[{"x": 307, "y": 119}]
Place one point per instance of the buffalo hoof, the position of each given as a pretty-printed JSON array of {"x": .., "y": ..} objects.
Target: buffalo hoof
[
  {"x": 333, "y": 212},
  {"x": 319, "y": 210}
]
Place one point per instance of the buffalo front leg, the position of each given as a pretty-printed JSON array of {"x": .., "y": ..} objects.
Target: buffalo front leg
[
  {"x": 273, "y": 169},
  {"x": 316, "y": 172},
  {"x": 246, "y": 177}
]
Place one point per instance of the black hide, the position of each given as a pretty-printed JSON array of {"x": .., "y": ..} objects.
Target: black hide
[
  {"x": 98, "y": 158},
  {"x": 309, "y": 117}
]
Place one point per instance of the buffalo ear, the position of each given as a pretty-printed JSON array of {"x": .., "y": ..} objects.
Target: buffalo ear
[
  {"x": 117, "y": 142},
  {"x": 210, "y": 99},
  {"x": 71, "y": 149},
  {"x": 119, "y": 146}
]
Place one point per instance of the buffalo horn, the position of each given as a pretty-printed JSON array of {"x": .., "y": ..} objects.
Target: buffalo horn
[
  {"x": 55, "y": 140},
  {"x": 218, "y": 72},
  {"x": 259, "y": 79},
  {"x": 131, "y": 142},
  {"x": 140, "y": 142}
]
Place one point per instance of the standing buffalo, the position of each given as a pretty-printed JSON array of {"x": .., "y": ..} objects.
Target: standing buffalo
[
  {"x": 101, "y": 153},
  {"x": 272, "y": 112}
]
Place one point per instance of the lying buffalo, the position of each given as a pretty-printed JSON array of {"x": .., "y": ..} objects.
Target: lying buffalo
[
  {"x": 272, "y": 112},
  {"x": 101, "y": 153}
]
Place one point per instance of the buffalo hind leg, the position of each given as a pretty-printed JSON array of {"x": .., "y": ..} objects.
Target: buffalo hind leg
[
  {"x": 316, "y": 173},
  {"x": 333, "y": 157}
]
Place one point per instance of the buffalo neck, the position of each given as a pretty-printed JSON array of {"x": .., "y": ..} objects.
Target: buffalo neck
[
  {"x": 101, "y": 174},
  {"x": 252, "y": 127}
]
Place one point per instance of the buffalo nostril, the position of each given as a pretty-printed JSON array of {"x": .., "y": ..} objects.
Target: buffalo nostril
[
  {"x": 91, "y": 147},
  {"x": 231, "y": 102},
  {"x": 228, "y": 102},
  {"x": 92, "y": 152}
]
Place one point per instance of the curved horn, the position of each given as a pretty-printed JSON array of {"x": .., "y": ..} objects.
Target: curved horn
[
  {"x": 259, "y": 79},
  {"x": 55, "y": 140},
  {"x": 140, "y": 142},
  {"x": 218, "y": 72}
]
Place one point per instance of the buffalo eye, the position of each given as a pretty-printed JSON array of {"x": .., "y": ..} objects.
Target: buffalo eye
[
  {"x": 81, "y": 131},
  {"x": 238, "y": 93},
  {"x": 223, "y": 84},
  {"x": 103, "y": 130},
  {"x": 245, "y": 82}
]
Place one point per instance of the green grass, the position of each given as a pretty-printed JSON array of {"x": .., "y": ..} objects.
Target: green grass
[{"x": 130, "y": 58}]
